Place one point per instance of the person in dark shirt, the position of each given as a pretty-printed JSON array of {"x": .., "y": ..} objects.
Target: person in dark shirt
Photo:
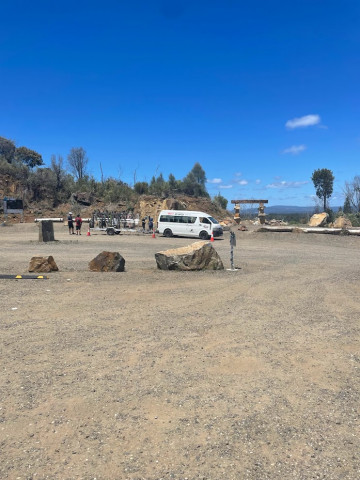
[{"x": 70, "y": 223}]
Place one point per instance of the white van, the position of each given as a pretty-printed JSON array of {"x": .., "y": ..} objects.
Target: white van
[{"x": 186, "y": 223}]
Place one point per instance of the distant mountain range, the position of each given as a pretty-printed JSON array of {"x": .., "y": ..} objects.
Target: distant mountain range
[{"x": 285, "y": 209}]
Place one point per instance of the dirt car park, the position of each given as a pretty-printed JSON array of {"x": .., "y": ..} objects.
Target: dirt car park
[{"x": 151, "y": 374}]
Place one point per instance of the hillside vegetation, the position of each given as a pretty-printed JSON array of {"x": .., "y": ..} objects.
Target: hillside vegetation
[{"x": 53, "y": 191}]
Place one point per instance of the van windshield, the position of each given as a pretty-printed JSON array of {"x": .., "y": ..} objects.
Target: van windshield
[{"x": 213, "y": 220}]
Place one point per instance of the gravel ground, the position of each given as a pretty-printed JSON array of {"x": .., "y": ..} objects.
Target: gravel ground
[{"x": 152, "y": 375}]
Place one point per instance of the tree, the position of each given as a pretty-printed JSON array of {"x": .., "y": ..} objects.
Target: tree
[
  {"x": 7, "y": 149},
  {"x": 172, "y": 183},
  {"x": 352, "y": 192},
  {"x": 61, "y": 179},
  {"x": 28, "y": 157},
  {"x": 158, "y": 186},
  {"x": 323, "y": 180},
  {"x": 199, "y": 174},
  {"x": 59, "y": 171},
  {"x": 41, "y": 183},
  {"x": 194, "y": 182},
  {"x": 78, "y": 161},
  {"x": 221, "y": 201},
  {"x": 347, "y": 205},
  {"x": 141, "y": 187}
]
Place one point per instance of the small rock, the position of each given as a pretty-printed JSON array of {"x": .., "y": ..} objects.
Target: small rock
[{"x": 43, "y": 264}]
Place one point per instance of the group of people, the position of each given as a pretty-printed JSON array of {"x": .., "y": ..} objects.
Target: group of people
[
  {"x": 78, "y": 223},
  {"x": 150, "y": 223}
]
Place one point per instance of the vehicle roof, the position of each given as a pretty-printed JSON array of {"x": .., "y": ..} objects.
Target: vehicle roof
[{"x": 188, "y": 212}]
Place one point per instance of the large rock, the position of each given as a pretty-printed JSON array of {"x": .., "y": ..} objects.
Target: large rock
[
  {"x": 46, "y": 231},
  {"x": 198, "y": 256},
  {"x": 342, "y": 222},
  {"x": 83, "y": 198},
  {"x": 107, "y": 262},
  {"x": 43, "y": 264},
  {"x": 318, "y": 220}
]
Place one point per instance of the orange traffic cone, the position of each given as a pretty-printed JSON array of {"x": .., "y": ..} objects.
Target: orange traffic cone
[
  {"x": 153, "y": 234},
  {"x": 212, "y": 237},
  {"x": 88, "y": 232}
]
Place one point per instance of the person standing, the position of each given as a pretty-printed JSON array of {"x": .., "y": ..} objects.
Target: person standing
[
  {"x": 70, "y": 223},
  {"x": 78, "y": 223},
  {"x": 151, "y": 224}
]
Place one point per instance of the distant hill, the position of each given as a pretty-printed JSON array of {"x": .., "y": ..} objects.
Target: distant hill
[{"x": 287, "y": 209}]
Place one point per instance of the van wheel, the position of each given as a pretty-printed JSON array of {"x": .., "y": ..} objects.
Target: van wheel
[
  {"x": 168, "y": 233},
  {"x": 204, "y": 235},
  {"x": 110, "y": 231}
]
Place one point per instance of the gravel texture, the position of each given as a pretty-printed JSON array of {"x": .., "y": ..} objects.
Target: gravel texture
[{"x": 150, "y": 374}]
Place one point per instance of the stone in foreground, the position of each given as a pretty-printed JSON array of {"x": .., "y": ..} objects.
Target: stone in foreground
[
  {"x": 318, "y": 220},
  {"x": 46, "y": 231},
  {"x": 43, "y": 264},
  {"x": 198, "y": 256},
  {"x": 107, "y": 262}
]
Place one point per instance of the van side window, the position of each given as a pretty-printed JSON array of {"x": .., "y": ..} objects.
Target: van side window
[
  {"x": 205, "y": 220},
  {"x": 192, "y": 219}
]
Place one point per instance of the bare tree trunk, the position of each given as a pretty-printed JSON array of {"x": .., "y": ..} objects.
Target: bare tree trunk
[{"x": 102, "y": 174}]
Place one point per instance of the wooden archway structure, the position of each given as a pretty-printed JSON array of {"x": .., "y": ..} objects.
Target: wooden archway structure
[{"x": 261, "y": 213}]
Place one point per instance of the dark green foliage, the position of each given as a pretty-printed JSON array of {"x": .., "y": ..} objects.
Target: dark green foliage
[
  {"x": 42, "y": 184},
  {"x": 28, "y": 157},
  {"x": 221, "y": 201},
  {"x": 7, "y": 149},
  {"x": 354, "y": 219},
  {"x": 194, "y": 182},
  {"x": 111, "y": 190},
  {"x": 331, "y": 214},
  {"x": 199, "y": 174},
  {"x": 323, "y": 180},
  {"x": 347, "y": 205},
  {"x": 141, "y": 188},
  {"x": 173, "y": 184}
]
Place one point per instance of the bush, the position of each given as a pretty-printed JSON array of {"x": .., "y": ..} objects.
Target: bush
[
  {"x": 354, "y": 219},
  {"x": 331, "y": 214},
  {"x": 220, "y": 201}
]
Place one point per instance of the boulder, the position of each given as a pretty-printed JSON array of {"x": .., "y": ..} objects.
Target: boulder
[
  {"x": 83, "y": 198},
  {"x": 46, "y": 231},
  {"x": 198, "y": 256},
  {"x": 318, "y": 220},
  {"x": 43, "y": 264},
  {"x": 342, "y": 222},
  {"x": 107, "y": 262}
]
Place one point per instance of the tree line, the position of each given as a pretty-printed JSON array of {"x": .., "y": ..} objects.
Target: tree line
[{"x": 59, "y": 181}]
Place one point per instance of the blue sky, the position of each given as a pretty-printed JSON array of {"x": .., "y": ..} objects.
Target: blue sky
[{"x": 261, "y": 93}]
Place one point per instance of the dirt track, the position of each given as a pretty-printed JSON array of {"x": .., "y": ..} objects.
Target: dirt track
[{"x": 155, "y": 375}]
